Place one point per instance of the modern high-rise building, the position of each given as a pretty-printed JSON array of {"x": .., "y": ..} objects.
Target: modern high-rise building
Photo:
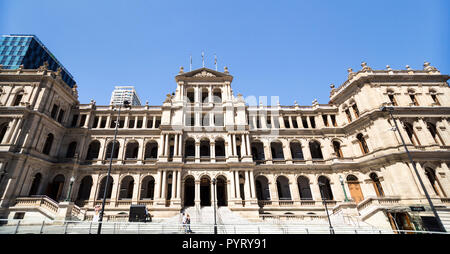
[
  {"x": 122, "y": 93},
  {"x": 28, "y": 51}
]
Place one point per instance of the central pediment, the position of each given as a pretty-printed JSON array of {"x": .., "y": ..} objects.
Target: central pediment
[{"x": 203, "y": 74}]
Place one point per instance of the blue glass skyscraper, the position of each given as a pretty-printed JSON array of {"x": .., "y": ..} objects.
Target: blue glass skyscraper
[{"x": 29, "y": 51}]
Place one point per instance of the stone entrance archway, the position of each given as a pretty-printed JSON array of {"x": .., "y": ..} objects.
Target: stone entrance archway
[
  {"x": 221, "y": 191},
  {"x": 189, "y": 191},
  {"x": 205, "y": 191}
]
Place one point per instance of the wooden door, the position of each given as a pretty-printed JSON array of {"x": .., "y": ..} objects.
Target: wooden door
[{"x": 355, "y": 191}]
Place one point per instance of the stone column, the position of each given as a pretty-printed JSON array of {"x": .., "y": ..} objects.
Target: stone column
[
  {"x": 237, "y": 185},
  {"x": 197, "y": 152},
  {"x": 234, "y": 145},
  {"x": 164, "y": 185},
  {"x": 272, "y": 182},
  {"x": 144, "y": 122},
  {"x": 178, "y": 184},
  {"x": 175, "y": 146},
  {"x": 300, "y": 122},
  {"x": 213, "y": 151},
  {"x": 252, "y": 185},
  {"x": 158, "y": 185},
  {"x": 247, "y": 190},
  {"x": 94, "y": 189},
  {"x": 197, "y": 192},
  {"x": 174, "y": 185},
  {"x": 233, "y": 185},
  {"x": 136, "y": 189}
]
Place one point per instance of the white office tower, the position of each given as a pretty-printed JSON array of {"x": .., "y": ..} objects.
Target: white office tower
[{"x": 123, "y": 93}]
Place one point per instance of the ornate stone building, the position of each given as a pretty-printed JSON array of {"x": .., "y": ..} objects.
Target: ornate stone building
[{"x": 268, "y": 161}]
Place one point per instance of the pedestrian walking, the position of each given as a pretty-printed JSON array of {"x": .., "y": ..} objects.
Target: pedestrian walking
[{"x": 183, "y": 221}]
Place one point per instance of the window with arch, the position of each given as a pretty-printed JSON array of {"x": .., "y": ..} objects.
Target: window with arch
[
  {"x": 262, "y": 188},
  {"x": 391, "y": 97},
  {"x": 108, "y": 186},
  {"x": 205, "y": 95},
  {"x": 48, "y": 144},
  {"x": 35, "y": 184},
  {"x": 296, "y": 150},
  {"x": 151, "y": 150},
  {"x": 435, "y": 184},
  {"x": 18, "y": 99},
  {"x": 126, "y": 188},
  {"x": 110, "y": 151},
  {"x": 412, "y": 96},
  {"x": 355, "y": 110},
  {"x": 217, "y": 94},
  {"x": 93, "y": 150},
  {"x": 189, "y": 148},
  {"x": 3, "y": 129},
  {"x": 337, "y": 149},
  {"x": 435, "y": 134},
  {"x": 435, "y": 98},
  {"x": 355, "y": 188},
  {"x": 205, "y": 148},
  {"x": 316, "y": 151},
  {"x": 377, "y": 184},
  {"x": 190, "y": 94},
  {"x": 362, "y": 143},
  {"x": 284, "y": 192},
  {"x": 276, "y": 148},
  {"x": 148, "y": 188},
  {"x": 84, "y": 191},
  {"x": 325, "y": 188},
  {"x": 132, "y": 150},
  {"x": 411, "y": 134},
  {"x": 71, "y": 149},
  {"x": 219, "y": 147},
  {"x": 304, "y": 188}
]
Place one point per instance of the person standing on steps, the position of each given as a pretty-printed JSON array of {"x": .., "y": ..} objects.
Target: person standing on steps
[
  {"x": 183, "y": 221},
  {"x": 188, "y": 223}
]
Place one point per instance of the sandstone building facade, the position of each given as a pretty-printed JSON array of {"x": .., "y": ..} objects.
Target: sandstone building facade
[{"x": 268, "y": 161}]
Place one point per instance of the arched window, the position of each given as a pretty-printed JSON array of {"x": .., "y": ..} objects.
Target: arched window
[
  {"x": 257, "y": 151},
  {"x": 325, "y": 188},
  {"x": 126, "y": 188},
  {"x": 436, "y": 136},
  {"x": 48, "y": 144},
  {"x": 84, "y": 191},
  {"x": 337, "y": 149},
  {"x": 217, "y": 93},
  {"x": 304, "y": 188},
  {"x": 109, "y": 150},
  {"x": 3, "y": 129},
  {"x": 362, "y": 143},
  {"x": 132, "y": 150},
  {"x": 189, "y": 148},
  {"x": 262, "y": 188},
  {"x": 35, "y": 185},
  {"x": 148, "y": 187},
  {"x": 284, "y": 193},
  {"x": 355, "y": 110},
  {"x": 102, "y": 188},
  {"x": 391, "y": 97},
  {"x": 377, "y": 185},
  {"x": 190, "y": 94},
  {"x": 55, "y": 188},
  {"x": 296, "y": 150},
  {"x": 71, "y": 150},
  {"x": 277, "y": 150},
  {"x": 411, "y": 134},
  {"x": 316, "y": 151},
  {"x": 151, "y": 150},
  {"x": 219, "y": 148},
  {"x": 431, "y": 175},
  {"x": 18, "y": 98},
  {"x": 93, "y": 150},
  {"x": 355, "y": 188},
  {"x": 205, "y": 148},
  {"x": 205, "y": 95}
]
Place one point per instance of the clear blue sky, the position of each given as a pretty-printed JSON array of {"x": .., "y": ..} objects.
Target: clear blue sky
[{"x": 290, "y": 49}]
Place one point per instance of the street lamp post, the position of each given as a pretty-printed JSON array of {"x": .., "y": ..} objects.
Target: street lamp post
[
  {"x": 326, "y": 209},
  {"x": 390, "y": 110},
  {"x": 126, "y": 104},
  {"x": 72, "y": 179},
  {"x": 215, "y": 223},
  {"x": 345, "y": 193}
]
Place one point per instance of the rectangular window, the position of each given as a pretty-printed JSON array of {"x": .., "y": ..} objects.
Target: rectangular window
[
  {"x": 269, "y": 122},
  {"x": 139, "y": 123},
  {"x": 392, "y": 99},
  {"x": 205, "y": 119},
  {"x": 294, "y": 123},
  {"x": 325, "y": 120},
  {"x": 103, "y": 123},
  {"x": 131, "y": 123},
  {"x": 313, "y": 122},
  {"x": 286, "y": 122},
  {"x": 74, "y": 121},
  {"x": 95, "y": 122},
  {"x": 157, "y": 122},
  {"x": 355, "y": 110},
  {"x": 258, "y": 122},
  {"x": 333, "y": 120},
  {"x": 349, "y": 116},
  {"x": 54, "y": 111},
  {"x": 414, "y": 99},
  {"x": 218, "y": 119},
  {"x": 150, "y": 123},
  {"x": 435, "y": 99},
  {"x": 82, "y": 120},
  {"x": 61, "y": 116},
  {"x": 305, "y": 122}
]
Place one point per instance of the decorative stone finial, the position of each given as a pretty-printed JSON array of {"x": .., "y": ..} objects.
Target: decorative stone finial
[
  {"x": 295, "y": 103},
  {"x": 408, "y": 68},
  {"x": 429, "y": 68},
  {"x": 146, "y": 103},
  {"x": 365, "y": 67},
  {"x": 388, "y": 68},
  {"x": 168, "y": 98},
  {"x": 58, "y": 71},
  {"x": 351, "y": 74},
  {"x": 332, "y": 86},
  {"x": 225, "y": 69},
  {"x": 181, "y": 69}
]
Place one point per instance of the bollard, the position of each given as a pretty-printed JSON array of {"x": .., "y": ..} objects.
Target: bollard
[
  {"x": 17, "y": 227},
  {"x": 42, "y": 227}
]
